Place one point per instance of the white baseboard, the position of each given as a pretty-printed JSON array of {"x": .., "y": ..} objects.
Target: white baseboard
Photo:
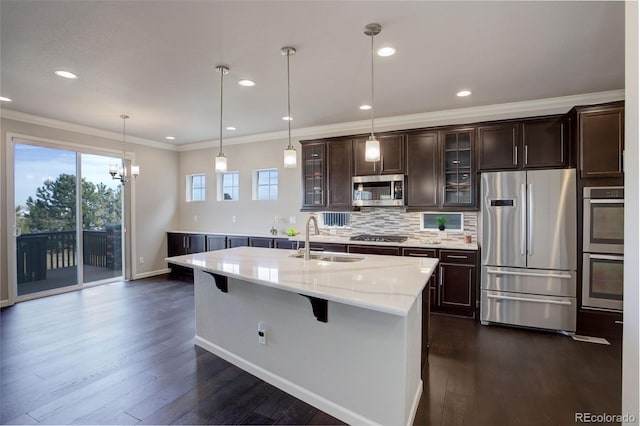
[
  {"x": 5, "y": 303},
  {"x": 152, "y": 273},
  {"x": 297, "y": 391},
  {"x": 416, "y": 401}
]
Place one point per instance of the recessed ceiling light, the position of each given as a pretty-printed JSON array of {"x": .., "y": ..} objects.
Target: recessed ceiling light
[
  {"x": 463, "y": 93},
  {"x": 365, "y": 107},
  {"x": 170, "y": 137},
  {"x": 247, "y": 83},
  {"x": 386, "y": 51},
  {"x": 66, "y": 74},
  {"x": 286, "y": 118},
  {"x": 231, "y": 128},
  {"x": 5, "y": 99}
]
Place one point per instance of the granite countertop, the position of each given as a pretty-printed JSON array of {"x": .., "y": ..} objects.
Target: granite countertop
[
  {"x": 389, "y": 284},
  {"x": 432, "y": 243}
]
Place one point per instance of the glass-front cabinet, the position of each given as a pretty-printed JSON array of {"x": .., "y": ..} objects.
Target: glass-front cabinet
[
  {"x": 313, "y": 175},
  {"x": 458, "y": 176}
]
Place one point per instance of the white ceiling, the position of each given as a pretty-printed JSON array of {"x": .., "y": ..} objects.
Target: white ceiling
[{"x": 155, "y": 60}]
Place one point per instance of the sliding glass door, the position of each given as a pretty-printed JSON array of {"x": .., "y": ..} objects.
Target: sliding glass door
[{"x": 68, "y": 219}]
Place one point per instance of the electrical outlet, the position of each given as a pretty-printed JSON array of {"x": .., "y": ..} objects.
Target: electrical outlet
[
  {"x": 233, "y": 219},
  {"x": 141, "y": 260},
  {"x": 262, "y": 333},
  {"x": 292, "y": 220},
  {"x": 195, "y": 217}
]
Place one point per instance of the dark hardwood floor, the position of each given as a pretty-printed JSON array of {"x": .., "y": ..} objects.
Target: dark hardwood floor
[{"x": 124, "y": 354}]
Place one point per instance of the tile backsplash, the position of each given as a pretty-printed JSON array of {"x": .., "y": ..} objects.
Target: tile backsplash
[{"x": 396, "y": 221}]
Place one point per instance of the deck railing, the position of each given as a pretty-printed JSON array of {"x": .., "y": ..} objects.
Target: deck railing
[{"x": 39, "y": 252}]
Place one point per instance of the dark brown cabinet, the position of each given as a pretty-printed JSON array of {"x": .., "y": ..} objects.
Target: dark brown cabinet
[
  {"x": 498, "y": 146},
  {"x": 458, "y": 168},
  {"x": 327, "y": 168},
  {"x": 216, "y": 242},
  {"x": 423, "y": 169},
  {"x": 261, "y": 242},
  {"x": 537, "y": 143},
  {"x": 433, "y": 281},
  {"x": 339, "y": 173},
  {"x": 339, "y": 248},
  {"x": 546, "y": 143},
  {"x": 457, "y": 278},
  {"x": 237, "y": 241},
  {"x": 391, "y": 156},
  {"x": 367, "y": 249},
  {"x": 600, "y": 135},
  {"x": 179, "y": 243}
]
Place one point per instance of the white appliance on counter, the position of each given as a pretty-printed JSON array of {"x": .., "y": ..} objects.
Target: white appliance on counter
[{"x": 528, "y": 275}]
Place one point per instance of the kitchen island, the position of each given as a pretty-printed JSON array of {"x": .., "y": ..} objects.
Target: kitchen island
[{"x": 341, "y": 333}]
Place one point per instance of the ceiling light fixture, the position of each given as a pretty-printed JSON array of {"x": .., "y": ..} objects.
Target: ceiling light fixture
[
  {"x": 120, "y": 173},
  {"x": 463, "y": 93},
  {"x": 247, "y": 83},
  {"x": 171, "y": 138},
  {"x": 66, "y": 74},
  {"x": 290, "y": 156},
  {"x": 365, "y": 107},
  {"x": 386, "y": 51},
  {"x": 221, "y": 160},
  {"x": 372, "y": 146}
]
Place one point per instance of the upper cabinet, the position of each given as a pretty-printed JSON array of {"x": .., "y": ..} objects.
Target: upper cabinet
[
  {"x": 327, "y": 168},
  {"x": 423, "y": 169},
  {"x": 458, "y": 168},
  {"x": 600, "y": 138},
  {"x": 528, "y": 144},
  {"x": 441, "y": 169},
  {"x": 391, "y": 156}
]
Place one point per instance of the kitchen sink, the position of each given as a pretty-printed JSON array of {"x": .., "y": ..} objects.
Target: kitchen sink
[{"x": 329, "y": 257}]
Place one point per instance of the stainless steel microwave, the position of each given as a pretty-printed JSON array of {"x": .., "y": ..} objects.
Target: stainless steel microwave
[{"x": 378, "y": 190}]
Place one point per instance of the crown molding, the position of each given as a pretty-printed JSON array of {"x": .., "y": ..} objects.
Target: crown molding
[
  {"x": 547, "y": 106},
  {"x": 77, "y": 128},
  {"x": 521, "y": 109}
]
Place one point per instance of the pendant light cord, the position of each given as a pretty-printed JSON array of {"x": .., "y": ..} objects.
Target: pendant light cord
[
  {"x": 221, "y": 88},
  {"x": 289, "y": 100},
  {"x": 372, "y": 98}
]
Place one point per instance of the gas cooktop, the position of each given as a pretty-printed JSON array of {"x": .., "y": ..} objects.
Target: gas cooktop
[{"x": 380, "y": 238}]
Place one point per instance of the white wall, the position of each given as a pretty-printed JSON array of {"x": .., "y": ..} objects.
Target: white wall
[
  {"x": 155, "y": 203},
  {"x": 631, "y": 336},
  {"x": 255, "y": 217}
]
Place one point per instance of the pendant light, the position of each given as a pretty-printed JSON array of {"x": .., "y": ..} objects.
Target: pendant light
[
  {"x": 221, "y": 160},
  {"x": 290, "y": 157},
  {"x": 372, "y": 146},
  {"x": 120, "y": 173}
]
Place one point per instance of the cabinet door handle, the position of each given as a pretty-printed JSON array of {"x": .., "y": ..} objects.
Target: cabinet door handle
[
  {"x": 515, "y": 155},
  {"x": 526, "y": 154},
  {"x": 440, "y": 275}
]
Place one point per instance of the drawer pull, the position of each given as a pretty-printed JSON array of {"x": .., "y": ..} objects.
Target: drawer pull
[
  {"x": 453, "y": 256},
  {"x": 619, "y": 322},
  {"x": 526, "y": 299},
  {"x": 419, "y": 255},
  {"x": 528, "y": 274}
]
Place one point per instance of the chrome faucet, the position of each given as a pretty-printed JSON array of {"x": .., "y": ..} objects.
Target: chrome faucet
[{"x": 307, "y": 245}]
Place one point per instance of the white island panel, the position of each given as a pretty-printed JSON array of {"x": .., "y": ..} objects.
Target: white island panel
[{"x": 362, "y": 366}]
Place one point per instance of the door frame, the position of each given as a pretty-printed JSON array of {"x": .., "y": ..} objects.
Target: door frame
[{"x": 128, "y": 212}]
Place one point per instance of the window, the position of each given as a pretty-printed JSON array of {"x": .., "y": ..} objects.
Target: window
[
  {"x": 266, "y": 187},
  {"x": 339, "y": 220},
  {"x": 229, "y": 186},
  {"x": 196, "y": 187},
  {"x": 453, "y": 221}
]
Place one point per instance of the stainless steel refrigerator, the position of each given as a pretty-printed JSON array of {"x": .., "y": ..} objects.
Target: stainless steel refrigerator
[{"x": 528, "y": 247}]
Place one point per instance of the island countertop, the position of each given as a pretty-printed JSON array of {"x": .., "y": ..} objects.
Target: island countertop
[{"x": 389, "y": 284}]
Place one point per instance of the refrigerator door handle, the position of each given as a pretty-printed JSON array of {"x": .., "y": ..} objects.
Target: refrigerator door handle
[
  {"x": 528, "y": 274},
  {"x": 523, "y": 219},
  {"x": 526, "y": 299},
  {"x": 530, "y": 221}
]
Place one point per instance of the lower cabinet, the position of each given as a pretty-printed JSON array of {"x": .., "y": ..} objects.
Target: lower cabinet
[
  {"x": 237, "y": 242},
  {"x": 433, "y": 288},
  {"x": 457, "y": 282},
  {"x": 281, "y": 243},
  {"x": 339, "y": 248},
  {"x": 261, "y": 242},
  {"x": 216, "y": 242},
  {"x": 180, "y": 243},
  {"x": 390, "y": 251}
]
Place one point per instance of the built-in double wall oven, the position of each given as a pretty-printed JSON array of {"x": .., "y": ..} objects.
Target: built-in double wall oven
[{"x": 603, "y": 248}]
